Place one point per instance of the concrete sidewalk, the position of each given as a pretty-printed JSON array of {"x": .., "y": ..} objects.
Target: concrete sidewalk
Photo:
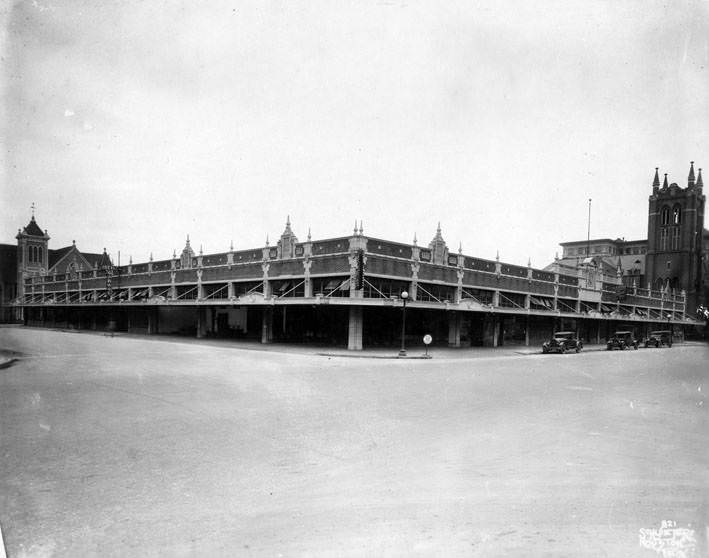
[{"x": 416, "y": 352}]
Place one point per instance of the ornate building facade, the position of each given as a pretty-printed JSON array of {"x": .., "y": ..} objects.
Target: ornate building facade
[{"x": 675, "y": 255}]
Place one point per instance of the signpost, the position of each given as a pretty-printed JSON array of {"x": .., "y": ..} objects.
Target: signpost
[{"x": 427, "y": 341}]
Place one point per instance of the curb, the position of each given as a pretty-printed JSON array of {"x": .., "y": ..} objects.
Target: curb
[
  {"x": 389, "y": 357},
  {"x": 6, "y": 363},
  {"x": 2, "y": 545}
]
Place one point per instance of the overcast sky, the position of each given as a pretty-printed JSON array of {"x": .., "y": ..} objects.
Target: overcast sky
[{"x": 133, "y": 123}]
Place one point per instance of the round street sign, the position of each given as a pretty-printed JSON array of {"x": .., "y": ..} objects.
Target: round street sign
[{"x": 427, "y": 339}]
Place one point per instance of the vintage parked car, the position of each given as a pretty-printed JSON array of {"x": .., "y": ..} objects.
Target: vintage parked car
[
  {"x": 622, "y": 340},
  {"x": 561, "y": 342},
  {"x": 659, "y": 338}
]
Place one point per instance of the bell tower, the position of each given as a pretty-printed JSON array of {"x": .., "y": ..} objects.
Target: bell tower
[
  {"x": 32, "y": 252},
  {"x": 674, "y": 236}
]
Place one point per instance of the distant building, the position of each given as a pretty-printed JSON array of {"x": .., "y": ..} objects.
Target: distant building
[
  {"x": 33, "y": 257},
  {"x": 674, "y": 256}
]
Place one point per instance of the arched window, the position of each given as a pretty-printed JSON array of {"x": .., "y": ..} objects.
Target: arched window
[
  {"x": 676, "y": 215},
  {"x": 675, "y": 238},
  {"x": 658, "y": 283},
  {"x": 665, "y": 216},
  {"x": 40, "y": 257},
  {"x": 663, "y": 239}
]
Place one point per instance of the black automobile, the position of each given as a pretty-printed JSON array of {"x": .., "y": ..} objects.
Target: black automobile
[
  {"x": 659, "y": 338},
  {"x": 561, "y": 342},
  {"x": 622, "y": 340}
]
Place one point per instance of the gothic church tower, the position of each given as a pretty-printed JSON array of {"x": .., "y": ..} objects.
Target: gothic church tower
[{"x": 674, "y": 236}]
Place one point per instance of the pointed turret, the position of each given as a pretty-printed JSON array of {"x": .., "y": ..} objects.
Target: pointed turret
[
  {"x": 690, "y": 178},
  {"x": 439, "y": 250},
  {"x": 187, "y": 255},
  {"x": 664, "y": 184},
  {"x": 656, "y": 180},
  {"x": 286, "y": 244},
  {"x": 700, "y": 183}
]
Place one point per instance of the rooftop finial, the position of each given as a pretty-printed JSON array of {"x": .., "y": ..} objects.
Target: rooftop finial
[
  {"x": 231, "y": 246},
  {"x": 460, "y": 248},
  {"x": 497, "y": 256},
  {"x": 151, "y": 256},
  {"x": 266, "y": 239},
  {"x": 33, "y": 208},
  {"x": 188, "y": 239},
  {"x": 200, "y": 249},
  {"x": 174, "y": 253},
  {"x": 361, "y": 228},
  {"x": 130, "y": 260},
  {"x": 309, "y": 237},
  {"x": 529, "y": 262},
  {"x": 355, "y": 228}
]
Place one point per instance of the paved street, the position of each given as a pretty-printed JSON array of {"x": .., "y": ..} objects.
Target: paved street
[{"x": 126, "y": 446}]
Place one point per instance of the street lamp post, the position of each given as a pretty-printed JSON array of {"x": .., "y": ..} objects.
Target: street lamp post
[{"x": 404, "y": 298}]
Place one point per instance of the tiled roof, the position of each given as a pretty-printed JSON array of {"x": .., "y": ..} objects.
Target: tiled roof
[
  {"x": 33, "y": 228},
  {"x": 56, "y": 255},
  {"x": 97, "y": 259}
]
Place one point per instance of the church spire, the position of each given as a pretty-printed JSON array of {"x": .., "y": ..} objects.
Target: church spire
[
  {"x": 656, "y": 181},
  {"x": 700, "y": 183},
  {"x": 664, "y": 184},
  {"x": 690, "y": 178}
]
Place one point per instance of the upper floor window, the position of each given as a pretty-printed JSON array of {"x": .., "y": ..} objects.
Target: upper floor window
[
  {"x": 665, "y": 216},
  {"x": 663, "y": 239},
  {"x": 676, "y": 215},
  {"x": 675, "y": 238}
]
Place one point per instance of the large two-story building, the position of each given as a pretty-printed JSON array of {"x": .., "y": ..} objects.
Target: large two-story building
[{"x": 355, "y": 290}]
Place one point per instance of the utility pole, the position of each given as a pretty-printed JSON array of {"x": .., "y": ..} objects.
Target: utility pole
[{"x": 588, "y": 238}]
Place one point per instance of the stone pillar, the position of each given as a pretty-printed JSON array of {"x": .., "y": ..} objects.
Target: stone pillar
[
  {"x": 454, "y": 322},
  {"x": 267, "y": 325},
  {"x": 201, "y": 322},
  {"x": 354, "y": 336},
  {"x": 111, "y": 321},
  {"x": 489, "y": 331},
  {"x": 459, "y": 287},
  {"x": 152, "y": 319},
  {"x": 413, "y": 286},
  {"x": 200, "y": 288},
  {"x": 307, "y": 283}
]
